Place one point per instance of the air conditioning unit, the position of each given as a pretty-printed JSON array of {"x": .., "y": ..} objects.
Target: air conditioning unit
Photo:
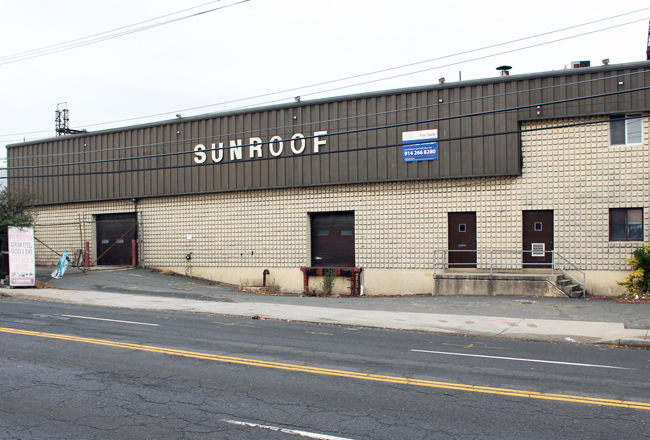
[{"x": 579, "y": 64}]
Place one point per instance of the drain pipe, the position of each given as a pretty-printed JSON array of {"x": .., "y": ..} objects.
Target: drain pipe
[
  {"x": 141, "y": 241},
  {"x": 264, "y": 274},
  {"x": 188, "y": 257}
]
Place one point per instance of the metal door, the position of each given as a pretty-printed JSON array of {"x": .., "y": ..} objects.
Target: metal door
[
  {"x": 462, "y": 239},
  {"x": 114, "y": 235},
  {"x": 332, "y": 239},
  {"x": 538, "y": 239}
]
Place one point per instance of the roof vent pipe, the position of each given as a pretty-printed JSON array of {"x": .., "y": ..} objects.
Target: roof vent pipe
[{"x": 505, "y": 70}]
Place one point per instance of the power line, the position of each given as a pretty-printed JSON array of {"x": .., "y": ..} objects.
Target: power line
[
  {"x": 364, "y": 115},
  {"x": 447, "y": 65},
  {"x": 231, "y": 135},
  {"x": 391, "y": 69},
  {"x": 394, "y": 111},
  {"x": 347, "y": 132},
  {"x": 321, "y": 153},
  {"x": 65, "y": 43},
  {"x": 43, "y": 52},
  {"x": 379, "y": 71}
]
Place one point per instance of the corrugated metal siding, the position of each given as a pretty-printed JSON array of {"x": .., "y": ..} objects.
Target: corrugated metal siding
[{"x": 363, "y": 143}]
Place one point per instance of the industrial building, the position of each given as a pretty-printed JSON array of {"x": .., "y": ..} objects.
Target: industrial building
[{"x": 511, "y": 174}]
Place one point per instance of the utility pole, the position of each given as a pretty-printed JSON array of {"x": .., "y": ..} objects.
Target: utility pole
[
  {"x": 62, "y": 120},
  {"x": 647, "y": 51}
]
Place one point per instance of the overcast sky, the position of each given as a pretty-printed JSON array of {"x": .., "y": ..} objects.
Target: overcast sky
[{"x": 264, "y": 46}]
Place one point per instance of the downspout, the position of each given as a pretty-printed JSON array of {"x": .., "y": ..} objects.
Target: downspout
[
  {"x": 361, "y": 288},
  {"x": 141, "y": 241}
]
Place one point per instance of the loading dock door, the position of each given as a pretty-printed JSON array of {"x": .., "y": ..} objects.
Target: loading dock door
[
  {"x": 462, "y": 239},
  {"x": 116, "y": 230},
  {"x": 538, "y": 239},
  {"x": 332, "y": 239}
]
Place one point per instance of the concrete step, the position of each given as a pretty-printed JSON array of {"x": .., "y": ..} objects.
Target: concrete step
[
  {"x": 572, "y": 290},
  {"x": 568, "y": 286},
  {"x": 575, "y": 294}
]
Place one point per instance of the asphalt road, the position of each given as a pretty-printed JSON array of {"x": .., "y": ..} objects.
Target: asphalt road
[{"x": 98, "y": 373}]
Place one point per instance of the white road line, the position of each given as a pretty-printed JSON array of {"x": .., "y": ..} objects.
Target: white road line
[
  {"x": 288, "y": 431},
  {"x": 111, "y": 320},
  {"x": 523, "y": 360}
]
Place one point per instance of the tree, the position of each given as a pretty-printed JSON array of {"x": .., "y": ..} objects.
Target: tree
[{"x": 16, "y": 208}]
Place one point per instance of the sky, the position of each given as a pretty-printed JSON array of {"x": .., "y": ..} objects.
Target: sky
[{"x": 260, "y": 47}]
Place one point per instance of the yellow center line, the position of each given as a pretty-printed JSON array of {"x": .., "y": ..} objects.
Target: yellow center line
[{"x": 339, "y": 373}]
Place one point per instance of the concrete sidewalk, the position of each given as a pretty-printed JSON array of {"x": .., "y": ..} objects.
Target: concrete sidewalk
[{"x": 524, "y": 326}]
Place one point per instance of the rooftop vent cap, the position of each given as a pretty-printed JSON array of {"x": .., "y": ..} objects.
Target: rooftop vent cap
[{"x": 505, "y": 70}]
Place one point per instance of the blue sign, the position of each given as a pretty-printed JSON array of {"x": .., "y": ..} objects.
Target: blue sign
[{"x": 420, "y": 145}]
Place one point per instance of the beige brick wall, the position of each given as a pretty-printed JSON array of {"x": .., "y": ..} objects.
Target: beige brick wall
[
  {"x": 572, "y": 171},
  {"x": 68, "y": 227},
  {"x": 576, "y": 173}
]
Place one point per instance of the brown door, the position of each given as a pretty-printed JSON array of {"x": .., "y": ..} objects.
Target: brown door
[
  {"x": 114, "y": 235},
  {"x": 332, "y": 239},
  {"x": 462, "y": 239},
  {"x": 538, "y": 239}
]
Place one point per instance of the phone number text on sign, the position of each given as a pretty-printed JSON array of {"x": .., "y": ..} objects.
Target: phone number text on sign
[{"x": 419, "y": 145}]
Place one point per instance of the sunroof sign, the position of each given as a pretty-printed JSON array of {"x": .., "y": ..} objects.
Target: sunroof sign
[{"x": 420, "y": 145}]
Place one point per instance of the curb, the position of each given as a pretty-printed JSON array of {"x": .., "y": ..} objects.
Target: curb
[
  {"x": 593, "y": 333},
  {"x": 630, "y": 342}
]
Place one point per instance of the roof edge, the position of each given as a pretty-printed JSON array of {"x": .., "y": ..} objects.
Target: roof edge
[{"x": 414, "y": 89}]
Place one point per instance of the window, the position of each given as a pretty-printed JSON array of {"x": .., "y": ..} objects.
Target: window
[
  {"x": 626, "y": 224},
  {"x": 626, "y": 129}
]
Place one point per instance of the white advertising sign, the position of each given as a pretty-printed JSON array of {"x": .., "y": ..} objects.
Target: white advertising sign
[
  {"x": 22, "y": 264},
  {"x": 420, "y": 145}
]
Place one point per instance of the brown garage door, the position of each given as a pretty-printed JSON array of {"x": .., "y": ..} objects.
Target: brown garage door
[
  {"x": 332, "y": 239},
  {"x": 114, "y": 235}
]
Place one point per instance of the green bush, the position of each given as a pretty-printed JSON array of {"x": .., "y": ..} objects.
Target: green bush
[{"x": 638, "y": 282}]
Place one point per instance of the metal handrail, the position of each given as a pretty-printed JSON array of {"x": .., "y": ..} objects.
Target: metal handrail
[
  {"x": 576, "y": 268},
  {"x": 553, "y": 265}
]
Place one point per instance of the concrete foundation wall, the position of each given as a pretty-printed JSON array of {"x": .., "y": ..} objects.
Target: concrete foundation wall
[
  {"x": 486, "y": 285},
  {"x": 603, "y": 283},
  {"x": 289, "y": 280},
  {"x": 377, "y": 282},
  {"x": 398, "y": 281}
]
